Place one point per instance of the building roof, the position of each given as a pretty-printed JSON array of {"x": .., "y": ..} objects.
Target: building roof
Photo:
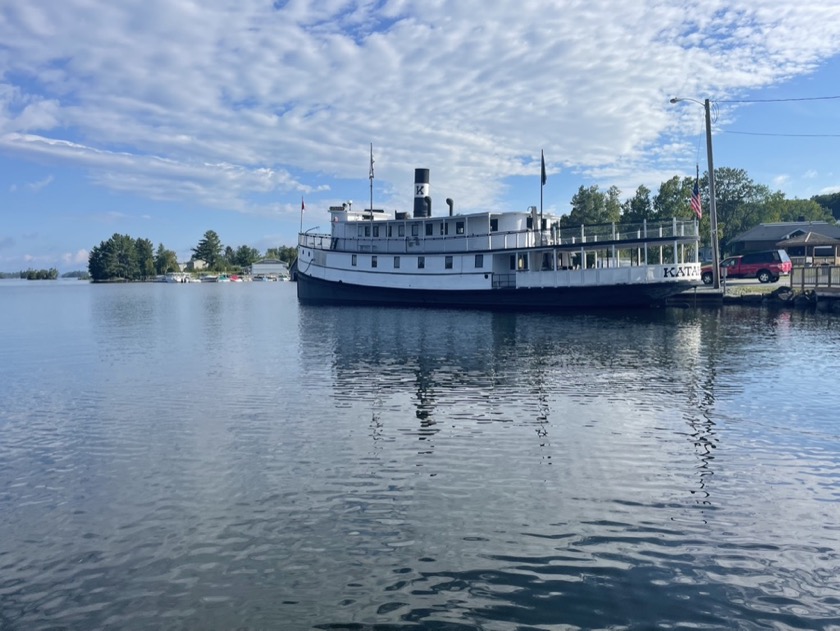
[
  {"x": 811, "y": 238},
  {"x": 784, "y": 230}
]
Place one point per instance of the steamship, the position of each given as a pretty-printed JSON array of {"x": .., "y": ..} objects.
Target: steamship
[{"x": 513, "y": 260}]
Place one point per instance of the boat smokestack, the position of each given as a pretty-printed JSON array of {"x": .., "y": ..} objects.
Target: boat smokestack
[
  {"x": 450, "y": 203},
  {"x": 422, "y": 207}
]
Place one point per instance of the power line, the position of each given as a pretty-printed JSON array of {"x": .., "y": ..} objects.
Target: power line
[
  {"x": 759, "y": 133},
  {"x": 804, "y": 98}
]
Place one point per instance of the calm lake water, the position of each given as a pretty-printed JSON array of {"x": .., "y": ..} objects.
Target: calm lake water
[{"x": 215, "y": 456}]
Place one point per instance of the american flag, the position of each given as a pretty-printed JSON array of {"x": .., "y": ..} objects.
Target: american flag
[{"x": 695, "y": 201}]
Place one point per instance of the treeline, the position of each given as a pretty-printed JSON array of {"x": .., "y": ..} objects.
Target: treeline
[
  {"x": 123, "y": 258},
  {"x": 32, "y": 274},
  {"x": 741, "y": 204}
]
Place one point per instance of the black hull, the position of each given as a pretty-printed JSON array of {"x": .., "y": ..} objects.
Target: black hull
[{"x": 316, "y": 291}]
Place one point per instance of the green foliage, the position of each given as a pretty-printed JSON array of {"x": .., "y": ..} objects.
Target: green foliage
[
  {"x": 209, "y": 250},
  {"x": 245, "y": 255},
  {"x": 830, "y": 202},
  {"x": 591, "y": 206},
  {"x": 165, "y": 261},
  {"x": 40, "y": 274},
  {"x": 673, "y": 199},
  {"x": 737, "y": 198},
  {"x": 123, "y": 258},
  {"x": 638, "y": 208},
  {"x": 145, "y": 258},
  {"x": 283, "y": 253},
  {"x": 80, "y": 274}
]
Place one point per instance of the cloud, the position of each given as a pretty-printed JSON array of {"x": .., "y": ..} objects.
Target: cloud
[
  {"x": 75, "y": 258},
  {"x": 779, "y": 181},
  {"x": 37, "y": 186},
  {"x": 221, "y": 102}
]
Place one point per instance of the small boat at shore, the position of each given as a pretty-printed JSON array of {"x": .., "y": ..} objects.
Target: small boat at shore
[
  {"x": 492, "y": 259},
  {"x": 177, "y": 277}
]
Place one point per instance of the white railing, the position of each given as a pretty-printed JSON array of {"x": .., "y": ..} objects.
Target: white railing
[{"x": 603, "y": 234}]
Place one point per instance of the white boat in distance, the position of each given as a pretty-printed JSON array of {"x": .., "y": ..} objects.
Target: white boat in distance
[{"x": 492, "y": 259}]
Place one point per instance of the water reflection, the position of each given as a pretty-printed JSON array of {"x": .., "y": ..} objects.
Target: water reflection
[
  {"x": 551, "y": 374},
  {"x": 217, "y": 457}
]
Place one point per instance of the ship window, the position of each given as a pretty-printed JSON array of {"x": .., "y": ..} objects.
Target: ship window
[
  {"x": 401, "y": 230},
  {"x": 522, "y": 262},
  {"x": 415, "y": 230},
  {"x": 390, "y": 231},
  {"x": 529, "y": 223},
  {"x": 459, "y": 227},
  {"x": 448, "y": 262},
  {"x": 376, "y": 231},
  {"x": 367, "y": 231},
  {"x": 373, "y": 262},
  {"x": 429, "y": 229},
  {"x": 421, "y": 262},
  {"x": 444, "y": 228},
  {"x": 494, "y": 225},
  {"x": 547, "y": 260},
  {"x": 361, "y": 230},
  {"x": 479, "y": 261},
  {"x": 353, "y": 261},
  {"x": 396, "y": 262},
  {"x": 513, "y": 261}
]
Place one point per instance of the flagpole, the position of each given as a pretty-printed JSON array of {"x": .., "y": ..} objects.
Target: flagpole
[
  {"x": 371, "y": 181},
  {"x": 542, "y": 186},
  {"x": 301, "y": 213}
]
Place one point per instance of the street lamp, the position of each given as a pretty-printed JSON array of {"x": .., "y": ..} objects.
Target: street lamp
[{"x": 712, "y": 206}]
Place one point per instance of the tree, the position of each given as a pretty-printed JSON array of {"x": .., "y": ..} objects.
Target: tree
[
  {"x": 736, "y": 196},
  {"x": 591, "y": 206},
  {"x": 165, "y": 260},
  {"x": 673, "y": 198},
  {"x": 145, "y": 258},
  {"x": 229, "y": 256},
  {"x": 830, "y": 202},
  {"x": 209, "y": 250},
  {"x": 245, "y": 255},
  {"x": 283, "y": 253},
  {"x": 114, "y": 259},
  {"x": 638, "y": 208},
  {"x": 125, "y": 258}
]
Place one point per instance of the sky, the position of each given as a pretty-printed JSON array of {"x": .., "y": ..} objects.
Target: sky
[{"x": 163, "y": 119}]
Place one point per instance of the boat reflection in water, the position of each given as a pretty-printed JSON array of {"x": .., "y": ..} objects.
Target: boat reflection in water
[{"x": 532, "y": 435}]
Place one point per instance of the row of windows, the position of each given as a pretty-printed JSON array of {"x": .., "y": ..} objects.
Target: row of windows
[
  {"x": 420, "y": 260},
  {"x": 367, "y": 229}
]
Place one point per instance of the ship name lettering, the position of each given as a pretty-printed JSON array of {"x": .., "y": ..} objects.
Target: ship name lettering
[{"x": 677, "y": 272}]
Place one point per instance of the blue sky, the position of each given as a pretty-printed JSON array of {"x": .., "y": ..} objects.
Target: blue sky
[{"x": 163, "y": 119}]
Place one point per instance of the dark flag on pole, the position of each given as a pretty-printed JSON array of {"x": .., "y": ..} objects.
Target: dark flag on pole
[{"x": 542, "y": 162}]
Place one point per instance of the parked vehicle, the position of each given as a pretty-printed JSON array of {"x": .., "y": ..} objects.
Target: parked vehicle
[{"x": 766, "y": 266}]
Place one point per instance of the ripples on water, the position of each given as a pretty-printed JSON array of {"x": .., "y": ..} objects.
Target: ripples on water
[{"x": 217, "y": 457}]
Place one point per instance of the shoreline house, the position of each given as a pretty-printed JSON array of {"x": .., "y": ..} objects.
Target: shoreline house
[
  {"x": 806, "y": 242},
  {"x": 270, "y": 268}
]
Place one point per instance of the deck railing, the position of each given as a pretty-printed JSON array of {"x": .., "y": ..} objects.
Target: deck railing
[
  {"x": 520, "y": 239},
  {"x": 822, "y": 276}
]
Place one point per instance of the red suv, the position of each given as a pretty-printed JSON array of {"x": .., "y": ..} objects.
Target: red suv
[{"x": 766, "y": 266}]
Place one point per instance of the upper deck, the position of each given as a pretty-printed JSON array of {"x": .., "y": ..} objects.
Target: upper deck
[{"x": 366, "y": 232}]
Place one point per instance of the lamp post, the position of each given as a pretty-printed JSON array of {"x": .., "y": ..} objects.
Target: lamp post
[{"x": 712, "y": 206}]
